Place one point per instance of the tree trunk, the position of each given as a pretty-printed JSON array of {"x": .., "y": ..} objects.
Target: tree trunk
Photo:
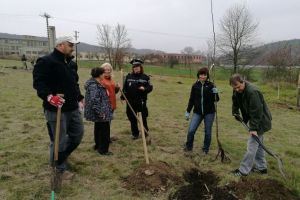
[
  {"x": 298, "y": 96},
  {"x": 235, "y": 60}
]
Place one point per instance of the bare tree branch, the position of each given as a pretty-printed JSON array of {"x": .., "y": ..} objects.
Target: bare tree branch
[
  {"x": 115, "y": 42},
  {"x": 238, "y": 32}
]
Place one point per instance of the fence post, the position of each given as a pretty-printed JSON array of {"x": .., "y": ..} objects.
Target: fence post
[{"x": 298, "y": 96}]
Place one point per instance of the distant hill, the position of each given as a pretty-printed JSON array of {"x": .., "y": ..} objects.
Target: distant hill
[
  {"x": 263, "y": 51},
  {"x": 144, "y": 51},
  {"x": 259, "y": 55},
  {"x": 84, "y": 47}
]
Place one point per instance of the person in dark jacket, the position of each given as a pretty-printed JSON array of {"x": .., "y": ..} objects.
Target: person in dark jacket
[
  {"x": 202, "y": 98},
  {"x": 249, "y": 101},
  {"x": 98, "y": 109},
  {"x": 136, "y": 88},
  {"x": 24, "y": 59},
  {"x": 53, "y": 75}
]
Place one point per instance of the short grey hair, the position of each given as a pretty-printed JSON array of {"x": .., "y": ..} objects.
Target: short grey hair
[{"x": 236, "y": 78}]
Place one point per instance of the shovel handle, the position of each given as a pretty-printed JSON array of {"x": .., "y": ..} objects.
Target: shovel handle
[
  {"x": 238, "y": 117},
  {"x": 279, "y": 161},
  {"x": 57, "y": 131}
]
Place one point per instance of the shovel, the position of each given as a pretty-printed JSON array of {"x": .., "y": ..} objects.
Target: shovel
[
  {"x": 221, "y": 151},
  {"x": 279, "y": 160},
  {"x": 56, "y": 179},
  {"x": 140, "y": 121}
]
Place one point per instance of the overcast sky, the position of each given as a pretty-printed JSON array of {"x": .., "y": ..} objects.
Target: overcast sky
[{"x": 168, "y": 25}]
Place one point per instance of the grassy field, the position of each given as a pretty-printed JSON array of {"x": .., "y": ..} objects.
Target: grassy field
[{"x": 25, "y": 173}]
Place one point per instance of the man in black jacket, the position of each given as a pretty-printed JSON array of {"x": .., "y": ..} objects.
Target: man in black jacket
[
  {"x": 56, "y": 74},
  {"x": 136, "y": 88}
]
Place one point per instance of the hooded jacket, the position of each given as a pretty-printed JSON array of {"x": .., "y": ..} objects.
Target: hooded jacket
[
  {"x": 97, "y": 104},
  {"x": 253, "y": 108}
]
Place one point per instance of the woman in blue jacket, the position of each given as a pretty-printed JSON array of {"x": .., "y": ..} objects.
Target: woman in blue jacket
[
  {"x": 202, "y": 98},
  {"x": 98, "y": 109}
]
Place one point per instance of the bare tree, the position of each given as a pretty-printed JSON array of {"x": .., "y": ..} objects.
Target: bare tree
[
  {"x": 238, "y": 31},
  {"x": 281, "y": 71},
  {"x": 188, "y": 57},
  {"x": 187, "y": 53},
  {"x": 115, "y": 42},
  {"x": 209, "y": 52}
]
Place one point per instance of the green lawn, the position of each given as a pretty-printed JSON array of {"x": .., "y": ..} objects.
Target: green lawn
[{"x": 25, "y": 173}]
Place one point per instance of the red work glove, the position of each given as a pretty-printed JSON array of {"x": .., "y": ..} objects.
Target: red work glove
[{"x": 56, "y": 101}]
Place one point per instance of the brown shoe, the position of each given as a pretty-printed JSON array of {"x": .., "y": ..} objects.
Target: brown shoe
[{"x": 67, "y": 175}]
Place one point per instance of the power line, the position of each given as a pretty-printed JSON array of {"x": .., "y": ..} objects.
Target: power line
[
  {"x": 128, "y": 28},
  {"x": 169, "y": 34},
  {"x": 138, "y": 30},
  {"x": 17, "y": 15}
]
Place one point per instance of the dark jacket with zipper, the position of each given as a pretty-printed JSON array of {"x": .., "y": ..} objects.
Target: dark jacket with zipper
[
  {"x": 132, "y": 83},
  {"x": 55, "y": 74},
  {"x": 253, "y": 108},
  {"x": 202, "y": 98}
]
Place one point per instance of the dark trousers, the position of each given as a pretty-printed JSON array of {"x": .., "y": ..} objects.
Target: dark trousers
[
  {"x": 102, "y": 136},
  {"x": 71, "y": 133},
  {"x": 133, "y": 121}
]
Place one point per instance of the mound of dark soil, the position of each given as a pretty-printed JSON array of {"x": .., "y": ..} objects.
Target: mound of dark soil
[
  {"x": 155, "y": 177},
  {"x": 266, "y": 189},
  {"x": 202, "y": 185}
]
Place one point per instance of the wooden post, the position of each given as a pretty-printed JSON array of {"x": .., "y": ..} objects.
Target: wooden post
[
  {"x": 139, "y": 115},
  {"x": 122, "y": 77},
  {"x": 298, "y": 96},
  {"x": 278, "y": 90}
]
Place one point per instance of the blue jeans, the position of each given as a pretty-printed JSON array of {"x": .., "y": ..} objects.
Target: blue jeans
[{"x": 195, "y": 122}]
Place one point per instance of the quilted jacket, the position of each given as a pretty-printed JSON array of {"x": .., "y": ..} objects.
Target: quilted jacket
[{"x": 97, "y": 105}]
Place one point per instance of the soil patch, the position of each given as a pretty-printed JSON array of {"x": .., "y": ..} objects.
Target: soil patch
[
  {"x": 202, "y": 185},
  {"x": 266, "y": 189},
  {"x": 286, "y": 106},
  {"x": 155, "y": 177}
]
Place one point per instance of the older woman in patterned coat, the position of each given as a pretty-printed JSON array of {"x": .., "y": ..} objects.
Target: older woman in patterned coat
[{"x": 99, "y": 110}]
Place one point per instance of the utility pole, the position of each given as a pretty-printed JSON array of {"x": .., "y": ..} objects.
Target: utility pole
[
  {"x": 76, "y": 36},
  {"x": 47, "y": 16}
]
